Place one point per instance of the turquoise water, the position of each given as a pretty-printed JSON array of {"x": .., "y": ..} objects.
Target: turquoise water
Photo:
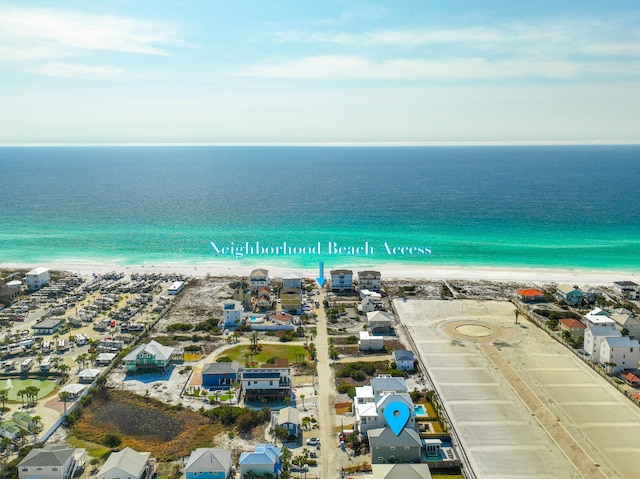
[
  {"x": 419, "y": 409},
  {"x": 568, "y": 207}
]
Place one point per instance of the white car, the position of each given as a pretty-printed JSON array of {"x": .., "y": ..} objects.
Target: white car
[{"x": 313, "y": 441}]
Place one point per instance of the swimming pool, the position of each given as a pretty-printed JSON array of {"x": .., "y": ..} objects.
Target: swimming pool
[{"x": 419, "y": 409}]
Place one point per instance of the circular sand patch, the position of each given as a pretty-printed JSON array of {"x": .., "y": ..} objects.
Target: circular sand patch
[{"x": 474, "y": 330}]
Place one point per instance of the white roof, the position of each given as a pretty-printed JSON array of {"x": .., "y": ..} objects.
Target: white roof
[
  {"x": 378, "y": 317},
  {"x": 364, "y": 392},
  {"x": 106, "y": 356},
  {"x": 73, "y": 388},
  {"x": 367, "y": 410},
  {"x": 90, "y": 373},
  {"x": 38, "y": 271}
]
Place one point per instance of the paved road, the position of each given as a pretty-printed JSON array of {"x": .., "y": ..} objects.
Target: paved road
[{"x": 329, "y": 460}]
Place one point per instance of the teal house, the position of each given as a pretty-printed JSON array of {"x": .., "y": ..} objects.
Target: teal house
[{"x": 148, "y": 358}]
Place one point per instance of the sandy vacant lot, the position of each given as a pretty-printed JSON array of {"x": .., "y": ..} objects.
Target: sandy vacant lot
[{"x": 522, "y": 404}]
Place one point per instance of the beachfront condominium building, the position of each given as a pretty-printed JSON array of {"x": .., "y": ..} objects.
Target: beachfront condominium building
[
  {"x": 258, "y": 278},
  {"x": 341, "y": 280},
  {"x": 232, "y": 312},
  {"x": 369, "y": 280},
  {"x": 627, "y": 289},
  {"x": 37, "y": 278}
]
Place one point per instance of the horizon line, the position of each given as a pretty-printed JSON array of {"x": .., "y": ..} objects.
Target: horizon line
[{"x": 331, "y": 144}]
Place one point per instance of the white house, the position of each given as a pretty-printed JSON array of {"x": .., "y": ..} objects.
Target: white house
[
  {"x": 626, "y": 320},
  {"x": 176, "y": 287},
  {"x": 628, "y": 289},
  {"x": 269, "y": 381},
  {"x": 598, "y": 317},
  {"x": 369, "y": 280},
  {"x": 53, "y": 461},
  {"x": 404, "y": 359},
  {"x": 622, "y": 351},
  {"x": 593, "y": 338},
  {"x": 371, "y": 301},
  {"x": 379, "y": 321},
  {"x": 341, "y": 280},
  {"x": 208, "y": 463},
  {"x": 127, "y": 464},
  {"x": 37, "y": 278},
  {"x": 232, "y": 312},
  {"x": 258, "y": 278},
  {"x": 370, "y": 343}
]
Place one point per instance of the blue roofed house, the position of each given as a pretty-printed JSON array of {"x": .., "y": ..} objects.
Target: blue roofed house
[
  {"x": 571, "y": 295},
  {"x": 208, "y": 463},
  {"x": 404, "y": 359},
  {"x": 265, "y": 459},
  {"x": 287, "y": 418},
  {"x": 220, "y": 376}
]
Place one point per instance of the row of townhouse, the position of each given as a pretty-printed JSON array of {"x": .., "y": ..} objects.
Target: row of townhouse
[{"x": 62, "y": 462}]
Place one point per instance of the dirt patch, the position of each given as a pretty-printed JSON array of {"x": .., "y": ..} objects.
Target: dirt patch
[{"x": 477, "y": 331}]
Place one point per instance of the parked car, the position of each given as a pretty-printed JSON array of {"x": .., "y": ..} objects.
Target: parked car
[{"x": 313, "y": 441}]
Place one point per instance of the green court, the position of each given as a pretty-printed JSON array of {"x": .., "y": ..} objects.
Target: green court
[{"x": 46, "y": 387}]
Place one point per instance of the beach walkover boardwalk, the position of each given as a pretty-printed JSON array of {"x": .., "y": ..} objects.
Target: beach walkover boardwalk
[{"x": 521, "y": 403}]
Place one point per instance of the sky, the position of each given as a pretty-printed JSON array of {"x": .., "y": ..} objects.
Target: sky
[{"x": 292, "y": 71}]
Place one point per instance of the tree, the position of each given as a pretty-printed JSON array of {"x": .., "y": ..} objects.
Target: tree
[
  {"x": 111, "y": 440},
  {"x": 279, "y": 433},
  {"x": 82, "y": 360},
  {"x": 566, "y": 336},
  {"x": 4, "y": 395},
  {"x": 64, "y": 369},
  {"x": 22, "y": 393},
  {"x": 517, "y": 313},
  {"x": 32, "y": 393},
  {"x": 64, "y": 397},
  {"x": 302, "y": 396}
]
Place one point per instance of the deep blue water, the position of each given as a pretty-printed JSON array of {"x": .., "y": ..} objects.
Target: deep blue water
[{"x": 546, "y": 206}]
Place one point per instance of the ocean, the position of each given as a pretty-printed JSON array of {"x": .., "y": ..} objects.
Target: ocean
[{"x": 487, "y": 206}]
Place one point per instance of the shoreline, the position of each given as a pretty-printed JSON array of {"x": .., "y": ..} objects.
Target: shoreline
[{"x": 388, "y": 271}]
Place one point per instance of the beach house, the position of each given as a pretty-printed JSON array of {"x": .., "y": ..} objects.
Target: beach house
[
  {"x": 379, "y": 322},
  {"x": 37, "y": 278},
  {"x": 287, "y": 418},
  {"x": 292, "y": 280},
  {"x": 400, "y": 471},
  {"x": 593, "y": 338},
  {"x": 627, "y": 289},
  {"x": 232, "y": 312},
  {"x": 270, "y": 382},
  {"x": 258, "y": 278},
  {"x": 371, "y": 301},
  {"x": 368, "y": 342},
  {"x": 369, "y": 280},
  {"x": 148, "y": 358},
  {"x": 242, "y": 293},
  {"x": 220, "y": 376},
  {"x": 404, "y": 359},
  {"x": 128, "y": 464},
  {"x": 341, "y": 280},
  {"x": 291, "y": 300},
  {"x": 389, "y": 448},
  {"x": 574, "y": 327},
  {"x": 263, "y": 300},
  {"x": 265, "y": 459},
  {"x": 53, "y": 461},
  {"x": 208, "y": 463},
  {"x": 598, "y": 317},
  {"x": 619, "y": 353},
  {"x": 530, "y": 295},
  {"x": 572, "y": 295}
]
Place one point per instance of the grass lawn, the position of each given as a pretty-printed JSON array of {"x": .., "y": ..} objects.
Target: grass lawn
[
  {"x": 93, "y": 449},
  {"x": 288, "y": 351}
]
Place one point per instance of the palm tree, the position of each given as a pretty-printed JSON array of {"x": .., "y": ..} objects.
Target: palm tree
[
  {"x": 82, "y": 360},
  {"x": 302, "y": 396},
  {"x": 22, "y": 393},
  {"x": 517, "y": 313},
  {"x": 32, "y": 392},
  {"x": 4, "y": 395},
  {"x": 64, "y": 397}
]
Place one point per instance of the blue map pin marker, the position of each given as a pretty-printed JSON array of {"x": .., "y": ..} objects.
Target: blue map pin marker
[{"x": 397, "y": 414}]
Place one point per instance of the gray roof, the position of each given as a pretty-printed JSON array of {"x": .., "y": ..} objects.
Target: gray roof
[
  {"x": 401, "y": 471},
  {"x": 336, "y": 272},
  {"x": 46, "y": 324},
  {"x": 50, "y": 455},
  {"x": 388, "y": 384},
  {"x": 288, "y": 415},
  {"x": 384, "y": 437},
  {"x": 369, "y": 273},
  {"x": 259, "y": 273},
  {"x": 222, "y": 368},
  {"x": 155, "y": 349},
  {"x": 130, "y": 461},
  {"x": 207, "y": 459},
  {"x": 403, "y": 355}
]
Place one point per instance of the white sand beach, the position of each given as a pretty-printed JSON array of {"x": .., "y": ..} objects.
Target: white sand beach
[{"x": 389, "y": 271}]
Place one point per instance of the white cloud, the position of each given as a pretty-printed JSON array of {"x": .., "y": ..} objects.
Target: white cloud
[
  {"x": 30, "y": 33},
  {"x": 336, "y": 67},
  {"x": 74, "y": 70}
]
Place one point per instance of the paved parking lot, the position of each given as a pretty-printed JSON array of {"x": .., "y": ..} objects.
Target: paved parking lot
[{"x": 522, "y": 404}]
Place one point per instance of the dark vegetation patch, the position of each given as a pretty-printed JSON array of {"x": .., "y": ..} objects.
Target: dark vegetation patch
[{"x": 137, "y": 420}]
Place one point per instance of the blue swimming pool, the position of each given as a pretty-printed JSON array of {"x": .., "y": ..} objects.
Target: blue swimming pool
[{"x": 419, "y": 409}]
